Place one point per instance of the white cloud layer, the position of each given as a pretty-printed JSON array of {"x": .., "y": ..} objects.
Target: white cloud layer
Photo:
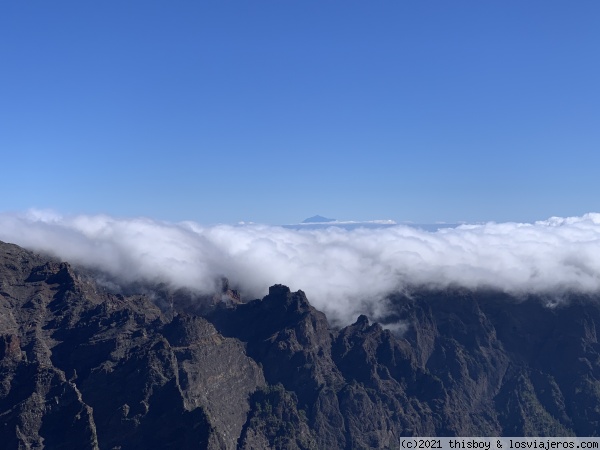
[{"x": 344, "y": 273}]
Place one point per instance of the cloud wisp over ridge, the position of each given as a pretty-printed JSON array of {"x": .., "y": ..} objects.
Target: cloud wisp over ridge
[{"x": 343, "y": 272}]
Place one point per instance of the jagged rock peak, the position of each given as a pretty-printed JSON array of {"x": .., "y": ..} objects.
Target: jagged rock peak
[
  {"x": 279, "y": 290},
  {"x": 53, "y": 272},
  {"x": 281, "y": 298},
  {"x": 227, "y": 294},
  {"x": 362, "y": 320}
]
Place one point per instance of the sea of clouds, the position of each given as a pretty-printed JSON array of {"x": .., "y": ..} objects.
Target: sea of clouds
[{"x": 343, "y": 272}]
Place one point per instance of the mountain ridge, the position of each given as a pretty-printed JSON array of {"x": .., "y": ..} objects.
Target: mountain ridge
[{"x": 84, "y": 368}]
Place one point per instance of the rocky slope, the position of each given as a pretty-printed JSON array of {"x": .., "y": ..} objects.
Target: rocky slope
[{"x": 83, "y": 368}]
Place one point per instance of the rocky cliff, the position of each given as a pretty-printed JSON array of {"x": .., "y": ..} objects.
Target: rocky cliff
[{"x": 84, "y": 368}]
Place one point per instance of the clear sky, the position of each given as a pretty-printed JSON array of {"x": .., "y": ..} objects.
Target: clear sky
[{"x": 273, "y": 111}]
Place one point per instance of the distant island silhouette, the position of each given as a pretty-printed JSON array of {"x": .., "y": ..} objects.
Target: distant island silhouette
[{"x": 317, "y": 219}]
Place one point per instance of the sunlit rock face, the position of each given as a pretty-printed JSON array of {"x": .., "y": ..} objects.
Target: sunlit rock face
[
  {"x": 81, "y": 368},
  {"x": 84, "y": 368}
]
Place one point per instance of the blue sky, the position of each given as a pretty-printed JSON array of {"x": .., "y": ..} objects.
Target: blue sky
[{"x": 273, "y": 111}]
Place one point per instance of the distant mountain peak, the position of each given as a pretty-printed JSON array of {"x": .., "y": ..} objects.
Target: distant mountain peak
[{"x": 317, "y": 219}]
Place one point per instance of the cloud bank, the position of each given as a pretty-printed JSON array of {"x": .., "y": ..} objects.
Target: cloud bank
[{"x": 343, "y": 272}]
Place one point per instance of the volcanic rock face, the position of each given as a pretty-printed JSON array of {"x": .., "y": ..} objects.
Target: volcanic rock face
[{"x": 82, "y": 368}]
